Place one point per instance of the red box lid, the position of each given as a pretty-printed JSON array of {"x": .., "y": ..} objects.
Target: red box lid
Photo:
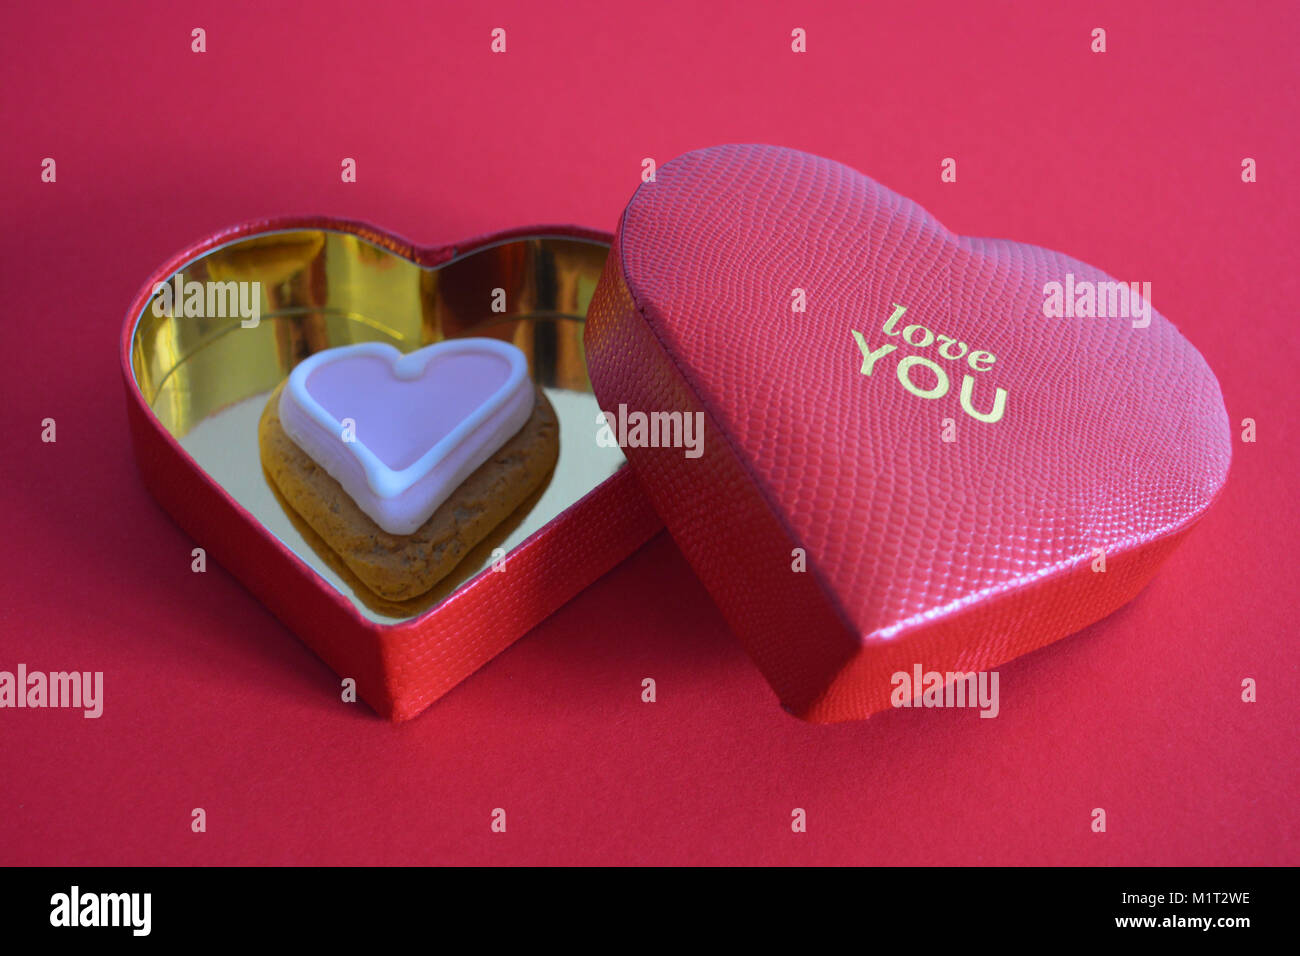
[{"x": 918, "y": 449}]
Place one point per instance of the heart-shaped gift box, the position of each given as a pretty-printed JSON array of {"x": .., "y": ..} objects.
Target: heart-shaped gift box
[
  {"x": 196, "y": 385},
  {"x": 919, "y": 449},
  {"x": 912, "y": 449}
]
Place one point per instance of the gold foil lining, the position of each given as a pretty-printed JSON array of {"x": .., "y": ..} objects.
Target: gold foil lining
[{"x": 207, "y": 378}]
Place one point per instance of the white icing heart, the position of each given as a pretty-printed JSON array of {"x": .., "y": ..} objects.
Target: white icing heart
[{"x": 401, "y": 432}]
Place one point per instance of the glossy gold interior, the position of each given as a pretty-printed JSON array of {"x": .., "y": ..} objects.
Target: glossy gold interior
[{"x": 207, "y": 379}]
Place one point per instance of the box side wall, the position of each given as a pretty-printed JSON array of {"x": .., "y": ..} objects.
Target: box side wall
[
  {"x": 228, "y": 535},
  {"x": 429, "y": 656},
  {"x": 994, "y": 630},
  {"x": 741, "y": 550}
]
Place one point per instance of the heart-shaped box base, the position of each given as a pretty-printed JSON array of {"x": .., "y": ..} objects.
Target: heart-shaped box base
[{"x": 196, "y": 385}]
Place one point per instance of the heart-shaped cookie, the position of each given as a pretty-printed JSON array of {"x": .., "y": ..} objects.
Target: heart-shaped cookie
[
  {"x": 401, "y": 432},
  {"x": 920, "y": 448}
]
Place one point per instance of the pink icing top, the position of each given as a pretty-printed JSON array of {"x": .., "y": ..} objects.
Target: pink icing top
[{"x": 401, "y": 432}]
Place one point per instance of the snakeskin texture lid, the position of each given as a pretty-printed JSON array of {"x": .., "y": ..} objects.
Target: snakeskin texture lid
[{"x": 884, "y": 445}]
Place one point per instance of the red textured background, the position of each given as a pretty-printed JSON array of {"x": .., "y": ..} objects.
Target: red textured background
[{"x": 1128, "y": 160}]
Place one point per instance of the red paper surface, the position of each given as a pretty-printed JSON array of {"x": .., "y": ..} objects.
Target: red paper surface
[{"x": 1130, "y": 160}]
